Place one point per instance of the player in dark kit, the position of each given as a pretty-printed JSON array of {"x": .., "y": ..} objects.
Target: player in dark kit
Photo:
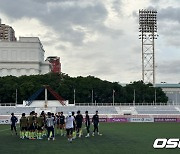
[
  {"x": 74, "y": 126},
  {"x": 95, "y": 122},
  {"x": 58, "y": 122},
  {"x": 35, "y": 125},
  {"x": 13, "y": 123},
  {"x": 31, "y": 128},
  {"x": 45, "y": 126},
  {"x": 79, "y": 121},
  {"x": 40, "y": 126},
  {"x": 87, "y": 123},
  {"x": 23, "y": 126},
  {"x": 62, "y": 123}
]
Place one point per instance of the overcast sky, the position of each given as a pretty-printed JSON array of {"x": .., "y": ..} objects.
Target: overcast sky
[{"x": 99, "y": 37}]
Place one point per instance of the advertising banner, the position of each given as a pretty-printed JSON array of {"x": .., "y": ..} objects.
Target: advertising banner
[
  {"x": 178, "y": 119},
  {"x": 117, "y": 120},
  {"x": 165, "y": 119},
  {"x": 141, "y": 120},
  {"x": 102, "y": 119},
  {"x": 5, "y": 121}
]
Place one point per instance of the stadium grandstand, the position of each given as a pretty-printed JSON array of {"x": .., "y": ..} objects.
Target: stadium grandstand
[
  {"x": 127, "y": 112},
  {"x": 103, "y": 110}
]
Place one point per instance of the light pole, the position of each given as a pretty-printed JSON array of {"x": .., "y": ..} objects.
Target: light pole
[
  {"x": 134, "y": 101},
  {"x": 113, "y": 96},
  {"x": 74, "y": 96},
  {"x": 92, "y": 96},
  {"x": 46, "y": 97},
  {"x": 16, "y": 96},
  {"x": 155, "y": 96},
  {"x": 155, "y": 93}
]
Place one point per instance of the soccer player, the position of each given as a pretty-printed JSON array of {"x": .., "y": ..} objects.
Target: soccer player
[
  {"x": 87, "y": 123},
  {"x": 23, "y": 126},
  {"x": 14, "y": 120},
  {"x": 95, "y": 122},
  {"x": 40, "y": 125},
  {"x": 31, "y": 121},
  {"x": 58, "y": 122},
  {"x": 74, "y": 126},
  {"x": 35, "y": 125},
  {"x": 52, "y": 114},
  {"x": 45, "y": 126},
  {"x": 62, "y": 123},
  {"x": 69, "y": 126},
  {"x": 50, "y": 125},
  {"x": 79, "y": 121}
]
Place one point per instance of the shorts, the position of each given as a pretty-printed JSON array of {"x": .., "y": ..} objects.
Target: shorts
[
  {"x": 74, "y": 126},
  {"x": 79, "y": 125},
  {"x": 13, "y": 127},
  {"x": 61, "y": 126},
  {"x": 23, "y": 128},
  {"x": 31, "y": 128},
  {"x": 40, "y": 128},
  {"x": 57, "y": 122},
  {"x": 69, "y": 131}
]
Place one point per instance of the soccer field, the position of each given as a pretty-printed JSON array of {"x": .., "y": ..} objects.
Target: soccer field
[{"x": 117, "y": 138}]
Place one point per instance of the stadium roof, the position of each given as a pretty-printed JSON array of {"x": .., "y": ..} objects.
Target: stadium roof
[
  {"x": 165, "y": 85},
  {"x": 161, "y": 85}
]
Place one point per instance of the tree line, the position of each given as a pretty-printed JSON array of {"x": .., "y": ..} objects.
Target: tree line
[{"x": 83, "y": 87}]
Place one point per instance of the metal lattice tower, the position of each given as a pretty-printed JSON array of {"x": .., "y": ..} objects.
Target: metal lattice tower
[{"x": 148, "y": 33}]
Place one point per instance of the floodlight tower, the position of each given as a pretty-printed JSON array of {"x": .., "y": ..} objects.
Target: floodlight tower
[{"x": 148, "y": 34}]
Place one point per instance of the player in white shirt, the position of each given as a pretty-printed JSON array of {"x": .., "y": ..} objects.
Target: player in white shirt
[
  {"x": 50, "y": 122},
  {"x": 69, "y": 126}
]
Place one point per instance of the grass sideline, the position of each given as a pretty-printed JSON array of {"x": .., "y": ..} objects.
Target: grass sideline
[{"x": 118, "y": 138}]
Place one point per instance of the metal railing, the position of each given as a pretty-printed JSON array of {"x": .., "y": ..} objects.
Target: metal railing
[
  {"x": 123, "y": 104},
  {"x": 109, "y": 104},
  {"x": 7, "y": 104}
]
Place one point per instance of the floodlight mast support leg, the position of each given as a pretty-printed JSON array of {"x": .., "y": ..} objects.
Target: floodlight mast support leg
[
  {"x": 154, "y": 81},
  {"x": 142, "y": 57}
]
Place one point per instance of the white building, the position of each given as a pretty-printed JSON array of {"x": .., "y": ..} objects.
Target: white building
[
  {"x": 23, "y": 57},
  {"x": 172, "y": 92}
]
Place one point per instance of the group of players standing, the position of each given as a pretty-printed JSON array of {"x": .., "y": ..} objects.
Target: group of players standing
[{"x": 36, "y": 127}]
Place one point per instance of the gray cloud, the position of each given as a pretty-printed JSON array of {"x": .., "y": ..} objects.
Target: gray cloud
[
  {"x": 169, "y": 14},
  {"x": 63, "y": 16},
  {"x": 168, "y": 25},
  {"x": 117, "y": 6},
  {"x": 76, "y": 31},
  {"x": 54, "y": 1},
  {"x": 169, "y": 67},
  {"x": 155, "y": 1}
]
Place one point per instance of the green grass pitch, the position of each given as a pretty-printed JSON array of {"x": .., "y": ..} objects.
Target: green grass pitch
[{"x": 117, "y": 138}]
